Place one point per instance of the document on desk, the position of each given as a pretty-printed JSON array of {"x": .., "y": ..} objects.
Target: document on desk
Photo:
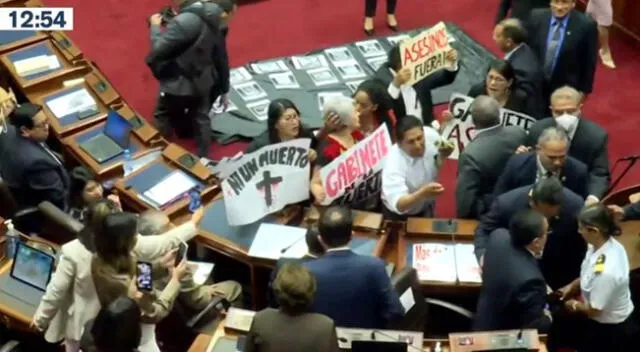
[
  {"x": 75, "y": 102},
  {"x": 171, "y": 187},
  {"x": 36, "y": 64},
  {"x": 202, "y": 271},
  {"x": 272, "y": 241},
  {"x": 467, "y": 266},
  {"x": 239, "y": 319},
  {"x": 435, "y": 261}
]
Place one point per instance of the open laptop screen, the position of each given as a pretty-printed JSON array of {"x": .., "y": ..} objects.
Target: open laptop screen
[
  {"x": 118, "y": 129},
  {"x": 32, "y": 266}
]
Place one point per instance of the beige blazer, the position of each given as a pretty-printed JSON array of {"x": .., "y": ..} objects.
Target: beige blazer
[
  {"x": 71, "y": 300},
  {"x": 275, "y": 331}
]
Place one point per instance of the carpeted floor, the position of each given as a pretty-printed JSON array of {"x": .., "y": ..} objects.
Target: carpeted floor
[{"x": 115, "y": 35}]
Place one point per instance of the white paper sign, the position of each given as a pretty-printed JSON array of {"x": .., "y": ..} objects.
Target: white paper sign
[
  {"x": 467, "y": 264},
  {"x": 266, "y": 180},
  {"x": 461, "y": 130},
  {"x": 434, "y": 262},
  {"x": 361, "y": 164}
]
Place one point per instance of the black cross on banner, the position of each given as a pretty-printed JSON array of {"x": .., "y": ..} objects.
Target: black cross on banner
[{"x": 267, "y": 184}]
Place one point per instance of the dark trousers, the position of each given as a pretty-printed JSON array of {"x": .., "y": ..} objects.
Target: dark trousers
[
  {"x": 370, "y": 7},
  {"x": 188, "y": 116},
  {"x": 600, "y": 337}
]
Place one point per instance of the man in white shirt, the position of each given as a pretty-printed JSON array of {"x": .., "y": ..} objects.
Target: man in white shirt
[
  {"x": 410, "y": 170},
  {"x": 414, "y": 100}
]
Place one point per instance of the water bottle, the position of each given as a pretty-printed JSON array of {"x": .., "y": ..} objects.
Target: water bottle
[
  {"x": 127, "y": 164},
  {"x": 12, "y": 239}
]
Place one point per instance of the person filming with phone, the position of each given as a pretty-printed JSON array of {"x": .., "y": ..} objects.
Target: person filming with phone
[
  {"x": 116, "y": 271},
  {"x": 601, "y": 294},
  {"x": 410, "y": 171}
]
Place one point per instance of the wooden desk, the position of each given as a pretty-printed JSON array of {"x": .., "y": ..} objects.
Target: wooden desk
[
  {"x": 203, "y": 341},
  {"x": 8, "y": 315},
  {"x": 130, "y": 198},
  {"x": 68, "y": 125},
  {"x": 11, "y": 40},
  {"x": 630, "y": 239},
  {"x": 109, "y": 169},
  {"x": 70, "y": 67}
]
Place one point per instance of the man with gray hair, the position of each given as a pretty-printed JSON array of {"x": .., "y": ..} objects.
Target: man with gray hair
[
  {"x": 482, "y": 161},
  {"x": 588, "y": 141},
  {"x": 549, "y": 159},
  {"x": 192, "y": 295},
  {"x": 511, "y": 36},
  {"x": 343, "y": 108}
]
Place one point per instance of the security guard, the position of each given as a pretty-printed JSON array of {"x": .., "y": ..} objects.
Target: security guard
[{"x": 603, "y": 285}]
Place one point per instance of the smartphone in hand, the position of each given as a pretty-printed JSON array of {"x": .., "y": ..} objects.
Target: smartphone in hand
[
  {"x": 194, "y": 202},
  {"x": 182, "y": 253},
  {"x": 144, "y": 282}
]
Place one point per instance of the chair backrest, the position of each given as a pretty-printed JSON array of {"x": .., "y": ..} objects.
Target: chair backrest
[
  {"x": 405, "y": 282},
  {"x": 8, "y": 204},
  {"x": 58, "y": 226}
]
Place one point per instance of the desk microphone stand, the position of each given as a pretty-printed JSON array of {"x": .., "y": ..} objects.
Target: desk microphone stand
[{"x": 631, "y": 161}]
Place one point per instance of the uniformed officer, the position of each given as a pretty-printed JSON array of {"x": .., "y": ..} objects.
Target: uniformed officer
[{"x": 602, "y": 292}]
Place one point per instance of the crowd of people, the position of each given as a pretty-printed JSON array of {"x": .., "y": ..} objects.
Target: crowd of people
[{"x": 542, "y": 231}]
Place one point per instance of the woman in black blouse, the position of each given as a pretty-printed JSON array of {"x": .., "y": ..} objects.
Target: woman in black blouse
[
  {"x": 498, "y": 83},
  {"x": 283, "y": 124}
]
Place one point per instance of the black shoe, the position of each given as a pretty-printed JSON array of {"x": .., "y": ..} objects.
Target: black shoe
[
  {"x": 393, "y": 28},
  {"x": 369, "y": 32}
]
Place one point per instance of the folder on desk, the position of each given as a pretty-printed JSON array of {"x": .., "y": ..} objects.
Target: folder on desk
[
  {"x": 239, "y": 319},
  {"x": 171, "y": 188},
  {"x": 273, "y": 241},
  {"x": 467, "y": 267},
  {"x": 36, "y": 64},
  {"x": 78, "y": 102}
]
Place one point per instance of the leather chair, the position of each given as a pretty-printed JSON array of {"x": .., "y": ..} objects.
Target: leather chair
[
  {"x": 12, "y": 346},
  {"x": 24, "y": 220},
  {"x": 58, "y": 226},
  {"x": 426, "y": 309}
]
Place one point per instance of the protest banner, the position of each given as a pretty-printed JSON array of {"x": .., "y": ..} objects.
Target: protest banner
[
  {"x": 425, "y": 53},
  {"x": 356, "y": 174},
  {"x": 461, "y": 130},
  {"x": 266, "y": 180}
]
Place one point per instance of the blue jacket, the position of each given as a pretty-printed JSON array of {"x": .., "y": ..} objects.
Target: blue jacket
[
  {"x": 522, "y": 169},
  {"x": 355, "y": 291}
]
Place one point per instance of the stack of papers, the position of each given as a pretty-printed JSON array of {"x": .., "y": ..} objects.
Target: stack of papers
[
  {"x": 434, "y": 262},
  {"x": 172, "y": 187},
  {"x": 446, "y": 262},
  {"x": 239, "y": 319},
  {"x": 75, "y": 102},
  {"x": 202, "y": 271},
  {"x": 467, "y": 264},
  {"x": 274, "y": 241},
  {"x": 36, "y": 64}
]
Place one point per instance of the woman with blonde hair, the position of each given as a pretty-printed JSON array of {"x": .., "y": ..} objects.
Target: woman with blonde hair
[{"x": 71, "y": 299}]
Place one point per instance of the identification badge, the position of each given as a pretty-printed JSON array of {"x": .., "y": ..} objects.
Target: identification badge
[{"x": 599, "y": 267}]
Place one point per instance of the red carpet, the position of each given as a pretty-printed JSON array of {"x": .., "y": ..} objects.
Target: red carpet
[{"x": 114, "y": 33}]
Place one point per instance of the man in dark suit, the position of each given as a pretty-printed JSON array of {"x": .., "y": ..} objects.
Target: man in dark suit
[
  {"x": 513, "y": 293},
  {"x": 588, "y": 141},
  {"x": 565, "y": 247},
  {"x": 511, "y": 36},
  {"x": 550, "y": 160},
  {"x": 414, "y": 100},
  {"x": 482, "y": 160},
  {"x": 189, "y": 80},
  {"x": 32, "y": 171},
  {"x": 353, "y": 290},
  {"x": 566, "y": 44},
  {"x": 315, "y": 250},
  {"x": 520, "y": 9}
]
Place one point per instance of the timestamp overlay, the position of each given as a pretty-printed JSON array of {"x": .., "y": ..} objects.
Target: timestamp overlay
[{"x": 36, "y": 18}]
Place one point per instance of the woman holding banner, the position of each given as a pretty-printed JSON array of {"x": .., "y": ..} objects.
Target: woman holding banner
[
  {"x": 500, "y": 78},
  {"x": 283, "y": 124},
  {"x": 375, "y": 107}
]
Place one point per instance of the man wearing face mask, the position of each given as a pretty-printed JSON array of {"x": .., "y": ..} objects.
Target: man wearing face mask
[
  {"x": 588, "y": 141},
  {"x": 565, "y": 247},
  {"x": 513, "y": 293},
  {"x": 550, "y": 159},
  {"x": 566, "y": 43}
]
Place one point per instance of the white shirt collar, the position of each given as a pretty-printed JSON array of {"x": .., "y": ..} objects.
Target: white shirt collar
[
  {"x": 343, "y": 248},
  {"x": 510, "y": 53}
]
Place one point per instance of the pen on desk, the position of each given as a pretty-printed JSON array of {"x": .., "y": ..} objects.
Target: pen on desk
[{"x": 283, "y": 250}]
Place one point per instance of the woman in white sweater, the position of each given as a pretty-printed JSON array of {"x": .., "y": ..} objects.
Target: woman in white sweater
[{"x": 71, "y": 299}]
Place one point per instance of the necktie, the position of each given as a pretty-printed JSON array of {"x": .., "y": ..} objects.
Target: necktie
[{"x": 552, "y": 48}]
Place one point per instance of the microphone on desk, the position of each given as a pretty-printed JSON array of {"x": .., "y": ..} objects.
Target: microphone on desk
[
  {"x": 394, "y": 339},
  {"x": 283, "y": 250}
]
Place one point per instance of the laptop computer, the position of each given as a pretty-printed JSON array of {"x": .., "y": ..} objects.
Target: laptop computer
[
  {"x": 31, "y": 271},
  {"x": 112, "y": 141}
]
